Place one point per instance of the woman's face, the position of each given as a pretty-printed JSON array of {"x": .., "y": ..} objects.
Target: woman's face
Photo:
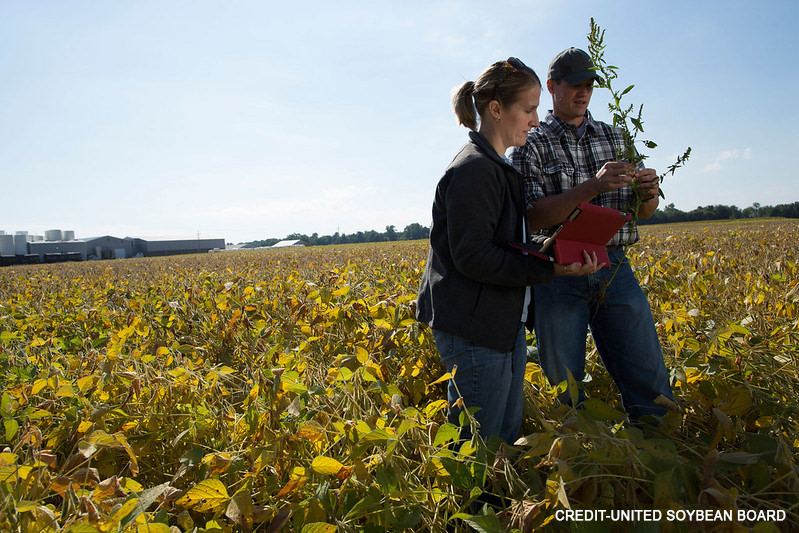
[{"x": 517, "y": 119}]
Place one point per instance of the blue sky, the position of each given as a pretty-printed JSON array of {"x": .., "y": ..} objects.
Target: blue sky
[{"x": 248, "y": 120}]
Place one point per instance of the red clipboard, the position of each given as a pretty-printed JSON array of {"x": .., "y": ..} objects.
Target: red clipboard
[{"x": 589, "y": 227}]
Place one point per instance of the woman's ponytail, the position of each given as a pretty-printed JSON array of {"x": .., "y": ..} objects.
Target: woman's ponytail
[{"x": 463, "y": 105}]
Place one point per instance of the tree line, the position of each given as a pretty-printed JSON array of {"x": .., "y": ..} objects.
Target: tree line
[
  {"x": 670, "y": 214},
  {"x": 664, "y": 215},
  {"x": 411, "y": 232}
]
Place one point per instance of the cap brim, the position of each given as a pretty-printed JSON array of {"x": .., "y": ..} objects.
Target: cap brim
[{"x": 576, "y": 78}]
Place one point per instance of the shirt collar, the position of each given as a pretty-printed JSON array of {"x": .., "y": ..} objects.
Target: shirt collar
[
  {"x": 559, "y": 127},
  {"x": 478, "y": 139}
]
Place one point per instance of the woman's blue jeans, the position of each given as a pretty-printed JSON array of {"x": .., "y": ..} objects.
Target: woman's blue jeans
[
  {"x": 489, "y": 379},
  {"x": 622, "y": 327}
]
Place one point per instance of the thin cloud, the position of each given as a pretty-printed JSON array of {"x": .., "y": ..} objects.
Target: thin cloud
[{"x": 727, "y": 155}]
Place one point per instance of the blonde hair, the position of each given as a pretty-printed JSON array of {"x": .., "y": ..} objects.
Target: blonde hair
[{"x": 502, "y": 81}]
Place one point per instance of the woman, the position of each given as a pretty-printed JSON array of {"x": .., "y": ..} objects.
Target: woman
[{"x": 474, "y": 292}]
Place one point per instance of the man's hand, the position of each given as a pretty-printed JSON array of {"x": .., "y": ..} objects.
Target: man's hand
[
  {"x": 590, "y": 265},
  {"x": 647, "y": 183},
  {"x": 613, "y": 175}
]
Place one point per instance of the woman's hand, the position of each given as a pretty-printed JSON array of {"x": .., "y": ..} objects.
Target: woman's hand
[{"x": 590, "y": 265}]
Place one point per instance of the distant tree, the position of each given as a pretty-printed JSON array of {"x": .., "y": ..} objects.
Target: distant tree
[
  {"x": 721, "y": 212},
  {"x": 414, "y": 232}
]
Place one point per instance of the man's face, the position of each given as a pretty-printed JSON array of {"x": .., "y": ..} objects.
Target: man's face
[{"x": 570, "y": 102}]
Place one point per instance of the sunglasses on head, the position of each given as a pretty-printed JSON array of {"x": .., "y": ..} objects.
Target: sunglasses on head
[
  {"x": 510, "y": 66},
  {"x": 515, "y": 63}
]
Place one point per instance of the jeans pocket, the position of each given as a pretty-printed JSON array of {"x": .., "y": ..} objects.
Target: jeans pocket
[{"x": 445, "y": 343}]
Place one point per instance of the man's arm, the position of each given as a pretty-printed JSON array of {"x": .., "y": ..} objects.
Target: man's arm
[{"x": 552, "y": 210}]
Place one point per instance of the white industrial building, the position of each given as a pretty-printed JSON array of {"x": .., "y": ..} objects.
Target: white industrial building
[
  {"x": 285, "y": 244},
  {"x": 57, "y": 246},
  {"x": 172, "y": 246}
]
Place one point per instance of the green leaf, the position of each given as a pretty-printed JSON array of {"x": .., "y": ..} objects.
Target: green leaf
[
  {"x": 573, "y": 387},
  {"x": 11, "y": 427},
  {"x": 599, "y": 410},
  {"x": 365, "y": 506},
  {"x": 460, "y": 475},
  {"x": 487, "y": 523},
  {"x": 446, "y": 433},
  {"x": 144, "y": 500}
]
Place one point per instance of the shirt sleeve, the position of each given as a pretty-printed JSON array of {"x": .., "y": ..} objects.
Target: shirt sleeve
[{"x": 525, "y": 159}]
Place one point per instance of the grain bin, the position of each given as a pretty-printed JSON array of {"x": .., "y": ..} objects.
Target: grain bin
[
  {"x": 68, "y": 235},
  {"x": 52, "y": 235},
  {"x": 7, "y": 245},
  {"x": 21, "y": 243}
]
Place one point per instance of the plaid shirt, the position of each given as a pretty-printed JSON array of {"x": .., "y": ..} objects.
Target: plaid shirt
[{"x": 555, "y": 159}]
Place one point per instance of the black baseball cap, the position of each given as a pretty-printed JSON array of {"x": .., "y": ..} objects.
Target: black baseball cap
[{"x": 573, "y": 66}]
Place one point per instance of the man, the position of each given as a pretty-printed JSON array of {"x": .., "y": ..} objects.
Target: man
[{"x": 571, "y": 158}]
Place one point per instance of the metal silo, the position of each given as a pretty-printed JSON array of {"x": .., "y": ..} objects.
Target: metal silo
[
  {"x": 21, "y": 243},
  {"x": 7, "y": 244},
  {"x": 52, "y": 235}
]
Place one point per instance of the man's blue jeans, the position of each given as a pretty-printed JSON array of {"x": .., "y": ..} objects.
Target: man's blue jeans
[
  {"x": 489, "y": 379},
  {"x": 621, "y": 324}
]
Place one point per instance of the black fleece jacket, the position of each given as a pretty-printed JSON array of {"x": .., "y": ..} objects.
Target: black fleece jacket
[{"x": 473, "y": 284}]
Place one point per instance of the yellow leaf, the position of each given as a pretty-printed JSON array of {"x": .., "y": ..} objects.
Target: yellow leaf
[
  {"x": 130, "y": 485},
  {"x": 737, "y": 402},
  {"x": 433, "y": 407},
  {"x": 319, "y": 527},
  {"x": 65, "y": 391},
  {"x": 86, "y": 381},
  {"x": 446, "y": 377},
  {"x": 109, "y": 488},
  {"x": 343, "y": 291},
  {"x": 152, "y": 527},
  {"x": 310, "y": 430},
  {"x": 207, "y": 495},
  {"x": 38, "y": 385},
  {"x": 23, "y": 506},
  {"x": 120, "y": 514},
  {"x": 217, "y": 462},
  {"x": 253, "y": 394},
  {"x": 8, "y": 458},
  {"x": 326, "y": 465},
  {"x": 117, "y": 440},
  {"x": 361, "y": 354},
  {"x": 385, "y": 324}
]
